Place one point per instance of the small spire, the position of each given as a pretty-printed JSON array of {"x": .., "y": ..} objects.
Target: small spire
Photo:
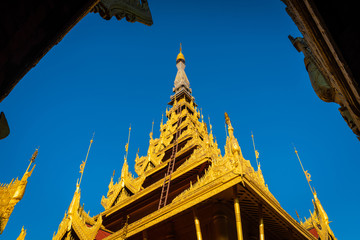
[
  {"x": 127, "y": 145},
  {"x": 32, "y": 160},
  {"x": 82, "y": 165},
  {"x": 22, "y": 234},
  {"x": 125, "y": 167},
  {"x": 255, "y": 151},
  {"x": 180, "y": 56},
  {"x": 152, "y": 130},
  {"x": 210, "y": 126},
  {"x": 230, "y": 129},
  {"x": 307, "y": 174}
]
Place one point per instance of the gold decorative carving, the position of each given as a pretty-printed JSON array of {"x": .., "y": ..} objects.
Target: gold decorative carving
[
  {"x": 233, "y": 161},
  {"x": 193, "y": 132},
  {"x": 127, "y": 186},
  {"x": 319, "y": 220},
  {"x": 77, "y": 221}
]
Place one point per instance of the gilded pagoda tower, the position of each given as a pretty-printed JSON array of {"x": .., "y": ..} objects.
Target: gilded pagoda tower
[
  {"x": 12, "y": 193},
  {"x": 185, "y": 188}
]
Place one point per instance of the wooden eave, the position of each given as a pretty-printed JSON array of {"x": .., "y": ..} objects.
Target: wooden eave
[
  {"x": 211, "y": 189},
  {"x": 265, "y": 199},
  {"x": 153, "y": 187}
]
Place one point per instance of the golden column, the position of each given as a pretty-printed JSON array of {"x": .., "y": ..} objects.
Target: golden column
[
  {"x": 238, "y": 217},
  {"x": 220, "y": 222},
  {"x": 197, "y": 225},
  {"x": 261, "y": 223}
]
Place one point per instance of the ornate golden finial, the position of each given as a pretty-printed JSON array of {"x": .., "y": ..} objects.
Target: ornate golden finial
[
  {"x": 82, "y": 165},
  {"x": 33, "y": 157},
  {"x": 22, "y": 234},
  {"x": 27, "y": 172},
  {"x": 32, "y": 160},
  {"x": 152, "y": 130},
  {"x": 255, "y": 151},
  {"x": 127, "y": 145},
  {"x": 180, "y": 56},
  {"x": 297, "y": 214},
  {"x": 210, "y": 126},
  {"x": 229, "y": 129},
  {"x": 307, "y": 175},
  {"x": 227, "y": 119}
]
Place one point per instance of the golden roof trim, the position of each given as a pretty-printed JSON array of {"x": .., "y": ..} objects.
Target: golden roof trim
[{"x": 219, "y": 184}]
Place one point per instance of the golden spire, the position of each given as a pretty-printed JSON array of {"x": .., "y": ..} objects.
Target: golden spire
[
  {"x": 127, "y": 144},
  {"x": 307, "y": 175},
  {"x": 256, "y": 151},
  {"x": 12, "y": 193},
  {"x": 210, "y": 126},
  {"x": 125, "y": 167},
  {"x": 227, "y": 119},
  {"x": 319, "y": 218},
  {"x": 152, "y": 130},
  {"x": 82, "y": 165},
  {"x": 32, "y": 159},
  {"x": 180, "y": 56},
  {"x": 22, "y": 234},
  {"x": 230, "y": 129}
]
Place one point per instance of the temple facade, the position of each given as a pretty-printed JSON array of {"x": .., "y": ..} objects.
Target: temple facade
[{"x": 186, "y": 189}]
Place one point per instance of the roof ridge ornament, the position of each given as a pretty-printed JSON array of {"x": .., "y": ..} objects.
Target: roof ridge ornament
[{"x": 82, "y": 165}]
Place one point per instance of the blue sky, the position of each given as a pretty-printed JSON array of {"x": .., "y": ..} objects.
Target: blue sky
[{"x": 105, "y": 75}]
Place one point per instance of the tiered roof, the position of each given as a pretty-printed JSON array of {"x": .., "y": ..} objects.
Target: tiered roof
[{"x": 185, "y": 165}]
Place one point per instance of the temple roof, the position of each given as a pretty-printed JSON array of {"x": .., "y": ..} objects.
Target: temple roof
[
  {"x": 77, "y": 222},
  {"x": 200, "y": 172},
  {"x": 186, "y": 166}
]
